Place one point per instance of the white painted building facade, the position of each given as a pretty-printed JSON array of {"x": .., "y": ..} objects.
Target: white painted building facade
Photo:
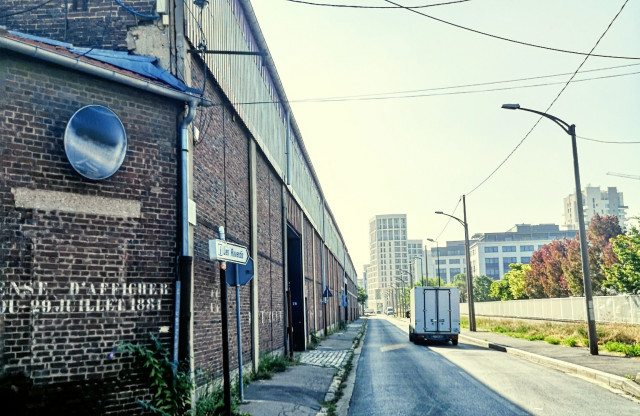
[
  {"x": 595, "y": 201},
  {"x": 388, "y": 252}
]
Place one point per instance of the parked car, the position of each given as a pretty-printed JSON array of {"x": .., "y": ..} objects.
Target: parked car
[
  {"x": 390, "y": 310},
  {"x": 369, "y": 311}
]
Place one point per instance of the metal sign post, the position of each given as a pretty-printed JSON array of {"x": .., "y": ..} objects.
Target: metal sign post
[
  {"x": 237, "y": 274},
  {"x": 225, "y": 329}
]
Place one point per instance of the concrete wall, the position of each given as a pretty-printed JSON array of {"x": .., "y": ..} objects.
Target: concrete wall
[{"x": 623, "y": 309}]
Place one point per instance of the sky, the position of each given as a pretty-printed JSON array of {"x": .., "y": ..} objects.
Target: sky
[{"x": 408, "y": 143}]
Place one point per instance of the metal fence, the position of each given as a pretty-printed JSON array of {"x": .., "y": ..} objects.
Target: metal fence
[{"x": 624, "y": 309}]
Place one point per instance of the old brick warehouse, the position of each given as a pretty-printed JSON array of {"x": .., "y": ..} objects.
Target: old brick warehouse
[{"x": 87, "y": 264}]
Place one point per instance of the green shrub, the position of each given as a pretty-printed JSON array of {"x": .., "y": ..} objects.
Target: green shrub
[
  {"x": 551, "y": 340},
  {"x": 571, "y": 342},
  {"x": 171, "y": 387},
  {"x": 270, "y": 364}
]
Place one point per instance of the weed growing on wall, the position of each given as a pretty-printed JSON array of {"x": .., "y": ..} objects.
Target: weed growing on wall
[{"x": 171, "y": 387}]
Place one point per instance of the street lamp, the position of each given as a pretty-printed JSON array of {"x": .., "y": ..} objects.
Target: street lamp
[
  {"x": 472, "y": 312},
  {"x": 438, "y": 255},
  {"x": 403, "y": 304},
  {"x": 571, "y": 131}
]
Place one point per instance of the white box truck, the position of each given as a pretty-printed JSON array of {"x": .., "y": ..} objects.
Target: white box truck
[{"x": 435, "y": 314}]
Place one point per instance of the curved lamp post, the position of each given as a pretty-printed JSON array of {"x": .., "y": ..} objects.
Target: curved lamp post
[
  {"x": 571, "y": 131},
  {"x": 403, "y": 303},
  {"x": 472, "y": 312},
  {"x": 438, "y": 256}
]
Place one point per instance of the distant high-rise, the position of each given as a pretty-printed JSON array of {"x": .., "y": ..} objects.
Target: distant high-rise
[
  {"x": 595, "y": 201},
  {"x": 388, "y": 252}
]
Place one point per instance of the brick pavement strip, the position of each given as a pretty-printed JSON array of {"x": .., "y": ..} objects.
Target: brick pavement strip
[{"x": 321, "y": 358}]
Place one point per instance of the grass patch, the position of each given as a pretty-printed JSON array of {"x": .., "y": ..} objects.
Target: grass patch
[
  {"x": 612, "y": 337},
  {"x": 270, "y": 364},
  {"x": 631, "y": 350}
]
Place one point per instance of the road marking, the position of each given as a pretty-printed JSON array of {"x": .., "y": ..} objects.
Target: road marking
[{"x": 393, "y": 347}]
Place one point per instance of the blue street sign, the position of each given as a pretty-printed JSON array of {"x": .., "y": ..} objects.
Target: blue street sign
[
  {"x": 242, "y": 272},
  {"x": 343, "y": 299},
  {"x": 327, "y": 293}
]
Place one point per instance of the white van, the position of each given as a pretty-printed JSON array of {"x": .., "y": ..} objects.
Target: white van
[{"x": 390, "y": 310}]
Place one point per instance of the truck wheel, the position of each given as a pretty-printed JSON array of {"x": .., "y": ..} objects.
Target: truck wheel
[{"x": 454, "y": 341}]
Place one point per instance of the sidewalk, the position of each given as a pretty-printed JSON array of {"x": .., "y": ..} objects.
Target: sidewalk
[
  {"x": 301, "y": 389},
  {"x": 606, "y": 368}
]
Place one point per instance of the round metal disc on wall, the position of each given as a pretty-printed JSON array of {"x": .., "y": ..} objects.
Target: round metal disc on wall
[{"x": 95, "y": 142}]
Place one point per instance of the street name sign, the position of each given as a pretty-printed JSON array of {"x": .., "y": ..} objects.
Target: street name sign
[{"x": 221, "y": 250}]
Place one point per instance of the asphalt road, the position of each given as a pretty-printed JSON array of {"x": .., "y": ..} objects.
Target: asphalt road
[{"x": 396, "y": 377}]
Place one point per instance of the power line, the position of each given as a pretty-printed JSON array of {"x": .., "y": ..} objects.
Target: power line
[
  {"x": 309, "y": 3},
  {"x": 605, "y": 141},
  {"x": 374, "y": 98},
  {"x": 449, "y": 219},
  {"x": 552, "y": 102},
  {"x": 484, "y": 83},
  {"x": 369, "y": 98},
  {"x": 136, "y": 13},
  {"x": 507, "y": 39},
  {"x": 26, "y": 10}
]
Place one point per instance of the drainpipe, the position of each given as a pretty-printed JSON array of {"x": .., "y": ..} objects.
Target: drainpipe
[{"x": 185, "y": 261}]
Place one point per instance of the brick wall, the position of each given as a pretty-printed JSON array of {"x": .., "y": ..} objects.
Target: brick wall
[
  {"x": 73, "y": 283},
  {"x": 92, "y": 23},
  {"x": 221, "y": 191}
]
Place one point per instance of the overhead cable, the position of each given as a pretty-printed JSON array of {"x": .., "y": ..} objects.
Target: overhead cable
[
  {"x": 606, "y": 141},
  {"x": 552, "y": 102},
  {"x": 26, "y": 10},
  {"x": 353, "y": 6},
  {"x": 511, "y": 40},
  {"x": 449, "y": 219},
  {"x": 438, "y": 94},
  {"x": 484, "y": 83}
]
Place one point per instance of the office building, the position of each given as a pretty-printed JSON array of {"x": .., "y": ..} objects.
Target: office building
[{"x": 491, "y": 253}]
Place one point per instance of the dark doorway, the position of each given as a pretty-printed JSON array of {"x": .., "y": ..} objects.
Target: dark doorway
[{"x": 294, "y": 269}]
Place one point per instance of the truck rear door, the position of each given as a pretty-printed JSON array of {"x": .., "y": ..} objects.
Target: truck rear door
[
  {"x": 430, "y": 310},
  {"x": 444, "y": 310}
]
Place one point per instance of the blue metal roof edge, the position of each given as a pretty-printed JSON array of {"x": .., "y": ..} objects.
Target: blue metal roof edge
[{"x": 139, "y": 64}]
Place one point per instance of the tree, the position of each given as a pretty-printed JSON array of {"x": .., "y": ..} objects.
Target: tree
[
  {"x": 625, "y": 275},
  {"x": 601, "y": 231},
  {"x": 482, "y": 288},
  {"x": 546, "y": 278},
  {"x": 362, "y": 297},
  {"x": 572, "y": 268},
  {"x": 515, "y": 277},
  {"x": 533, "y": 279},
  {"x": 460, "y": 280},
  {"x": 500, "y": 290}
]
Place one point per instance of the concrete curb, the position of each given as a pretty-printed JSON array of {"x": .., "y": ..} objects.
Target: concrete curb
[
  {"x": 590, "y": 374},
  {"x": 342, "y": 405}
]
